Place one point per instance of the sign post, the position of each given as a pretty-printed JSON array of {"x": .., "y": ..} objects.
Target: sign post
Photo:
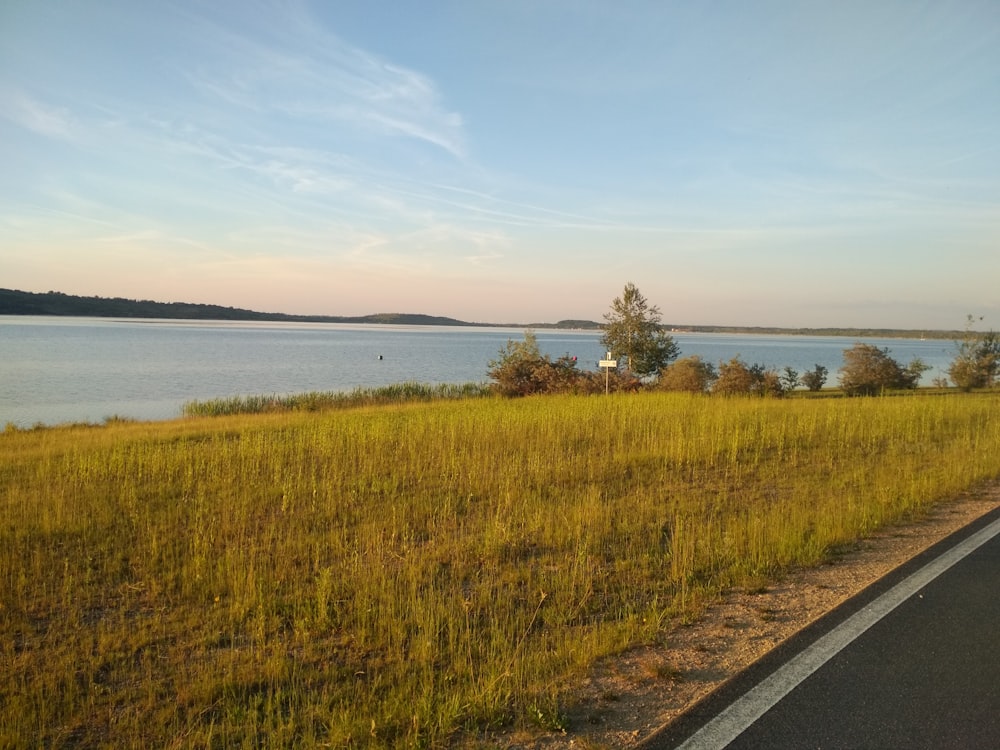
[{"x": 607, "y": 364}]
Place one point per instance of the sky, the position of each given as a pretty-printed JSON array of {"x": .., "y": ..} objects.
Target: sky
[{"x": 794, "y": 164}]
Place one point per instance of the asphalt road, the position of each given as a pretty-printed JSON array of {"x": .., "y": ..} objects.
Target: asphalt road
[{"x": 911, "y": 662}]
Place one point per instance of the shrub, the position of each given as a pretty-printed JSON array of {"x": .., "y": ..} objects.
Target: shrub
[
  {"x": 691, "y": 374},
  {"x": 767, "y": 382},
  {"x": 869, "y": 370},
  {"x": 790, "y": 379},
  {"x": 615, "y": 381},
  {"x": 736, "y": 378},
  {"x": 977, "y": 359},
  {"x": 814, "y": 379},
  {"x": 521, "y": 370}
]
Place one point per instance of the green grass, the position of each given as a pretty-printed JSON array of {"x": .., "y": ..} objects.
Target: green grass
[
  {"x": 400, "y": 393},
  {"x": 414, "y": 574}
]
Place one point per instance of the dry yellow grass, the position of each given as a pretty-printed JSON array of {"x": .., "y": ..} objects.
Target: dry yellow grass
[{"x": 398, "y": 576}]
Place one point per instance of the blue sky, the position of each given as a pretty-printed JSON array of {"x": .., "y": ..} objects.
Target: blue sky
[{"x": 746, "y": 163}]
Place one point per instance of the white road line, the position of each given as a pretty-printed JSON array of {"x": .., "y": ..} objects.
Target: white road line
[{"x": 743, "y": 712}]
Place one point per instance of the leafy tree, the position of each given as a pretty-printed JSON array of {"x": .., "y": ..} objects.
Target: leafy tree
[
  {"x": 814, "y": 379},
  {"x": 977, "y": 359},
  {"x": 520, "y": 369},
  {"x": 633, "y": 331},
  {"x": 869, "y": 370},
  {"x": 691, "y": 374}
]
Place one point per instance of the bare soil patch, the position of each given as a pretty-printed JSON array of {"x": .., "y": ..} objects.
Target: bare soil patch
[{"x": 626, "y": 699}]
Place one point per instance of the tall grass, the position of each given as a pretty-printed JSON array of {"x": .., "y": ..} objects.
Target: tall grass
[
  {"x": 399, "y": 393},
  {"x": 411, "y": 575}
]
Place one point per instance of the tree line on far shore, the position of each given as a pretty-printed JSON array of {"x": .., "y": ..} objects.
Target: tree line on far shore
[{"x": 648, "y": 357}]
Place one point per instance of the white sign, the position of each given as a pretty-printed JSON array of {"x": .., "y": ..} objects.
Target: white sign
[{"x": 607, "y": 364}]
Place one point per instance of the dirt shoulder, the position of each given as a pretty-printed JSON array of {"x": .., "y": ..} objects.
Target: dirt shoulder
[{"x": 627, "y": 698}]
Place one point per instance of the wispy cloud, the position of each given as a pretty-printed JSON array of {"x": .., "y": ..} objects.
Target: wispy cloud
[
  {"x": 691, "y": 147},
  {"x": 287, "y": 63},
  {"x": 33, "y": 115}
]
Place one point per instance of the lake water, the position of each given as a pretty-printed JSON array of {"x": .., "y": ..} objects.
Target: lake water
[{"x": 55, "y": 370}]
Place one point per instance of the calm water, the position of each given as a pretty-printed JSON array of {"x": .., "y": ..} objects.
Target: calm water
[{"x": 55, "y": 370}]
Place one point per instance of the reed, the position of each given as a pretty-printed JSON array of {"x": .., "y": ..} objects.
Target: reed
[
  {"x": 413, "y": 575},
  {"x": 323, "y": 400}
]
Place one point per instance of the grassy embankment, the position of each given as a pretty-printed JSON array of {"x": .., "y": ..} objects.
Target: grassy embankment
[{"x": 389, "y": 576}]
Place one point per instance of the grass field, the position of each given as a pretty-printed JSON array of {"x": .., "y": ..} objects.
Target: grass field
[{"x": 412, "y": 575}]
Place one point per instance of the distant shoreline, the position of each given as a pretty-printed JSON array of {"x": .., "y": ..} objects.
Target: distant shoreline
[{"x": 15, "y": 302}]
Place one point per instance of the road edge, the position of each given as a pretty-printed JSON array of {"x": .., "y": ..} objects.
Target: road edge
[{"x": 687, "y": 724}]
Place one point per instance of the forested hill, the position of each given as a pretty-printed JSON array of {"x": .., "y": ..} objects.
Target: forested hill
[{"x": 14, "y": 302}]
